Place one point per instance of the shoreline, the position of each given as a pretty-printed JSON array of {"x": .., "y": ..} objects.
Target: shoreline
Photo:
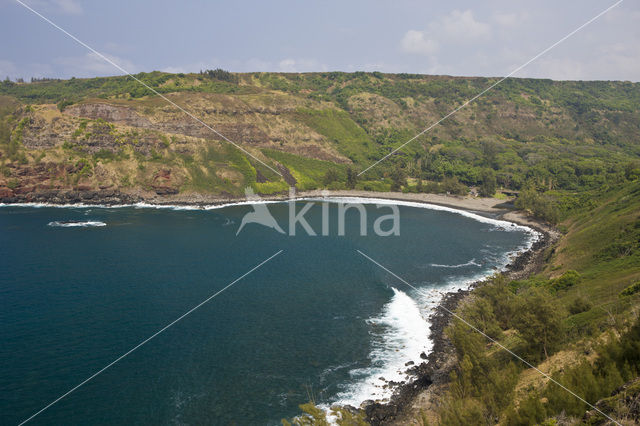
[
  {"x": 114, "y": 198},
  {"x": 430, "y": 375}
]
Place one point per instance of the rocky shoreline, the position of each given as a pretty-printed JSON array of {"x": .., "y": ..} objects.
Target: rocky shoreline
[{"x": 433, "y": 374}]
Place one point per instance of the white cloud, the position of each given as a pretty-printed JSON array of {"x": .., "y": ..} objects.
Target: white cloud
[
  {"x": 70, "y": 7},
  {"x": 416, "y": 42},
  {"x": 66, "y": 7},
  {"x": 509, "y": 20},
  {"x": 623, "y": 58},
  {"x": 287, "y": 65},
  {"x": 300, "y": 65},
  {"x": 462, "y": 27},
  {"x": 176, "y": 70},
  {"x": 458, "y": 27}
]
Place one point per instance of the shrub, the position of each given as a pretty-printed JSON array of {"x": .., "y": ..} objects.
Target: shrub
[
  {"x": 62, "y": 105},
  {"x": 632, "y": 289},
  {"x": 329, "y": 177},
  {"x": 580, "y": 304},
  {"x": 566, "y": 280},
  {"x": 12, "y": 183},
  {"x": 352, "y": 178},
  {"x": 104, "y": 154}
]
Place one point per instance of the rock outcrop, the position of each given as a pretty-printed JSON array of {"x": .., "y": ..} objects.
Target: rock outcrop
[{"x": 112, "y": 113}]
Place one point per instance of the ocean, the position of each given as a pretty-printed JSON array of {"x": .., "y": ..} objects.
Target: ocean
[{"x": 82, "y": 285}]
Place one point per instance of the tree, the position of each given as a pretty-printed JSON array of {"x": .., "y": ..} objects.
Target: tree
[
  {"x": 352, "y": 178},
  {"x": 539, "y": 322},
  {"x": 489, "y": 183},
  {"x": 490, "y": 153},
  {"x": 398, "y": 179},
  {"x": 220, "y": 74},
  {"x": 632, "y": 171},
  {"x": 329, "y": 177},
  {"x": 480, "y": 314},
  {"x": 451, "y": 185},
  {"x": 501, "y": 299}
]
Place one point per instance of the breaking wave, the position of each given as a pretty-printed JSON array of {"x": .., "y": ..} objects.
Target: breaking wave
[
  {"x": 472, "y": 262},
  {"x": 399, "y": 335},
  {"x": 79, "y": 224}
]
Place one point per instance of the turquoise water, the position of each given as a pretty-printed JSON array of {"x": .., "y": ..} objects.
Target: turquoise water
[{"x": 319, "y": 319}]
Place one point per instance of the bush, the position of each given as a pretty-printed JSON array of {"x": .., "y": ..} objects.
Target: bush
[
  {"x": 104, "y": 154},
  {"x": 64, "y": 104},
  {"x": 329, "y": 177},
  {"x": 12, "y": 183},
  {"x": 566, "y": 280},
  {"x": 580, "y": 304},
  {"x": 632, "y": 289}
]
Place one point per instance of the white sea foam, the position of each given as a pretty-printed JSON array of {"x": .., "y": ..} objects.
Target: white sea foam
[
  {"x": 400, "y": 333},
  {"x": 142, "y": 205},
  {"x": 472, "y": 262},
  {"x": 80, "y": 224},
  {"x": 387, "y": 360},
  {"x": 505, "y": 225}
]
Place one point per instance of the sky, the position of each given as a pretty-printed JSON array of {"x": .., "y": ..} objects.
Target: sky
[{"x": 463, "y": 38}]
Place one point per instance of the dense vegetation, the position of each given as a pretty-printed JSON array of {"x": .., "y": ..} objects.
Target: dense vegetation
[{"x": 581, "y": 327}]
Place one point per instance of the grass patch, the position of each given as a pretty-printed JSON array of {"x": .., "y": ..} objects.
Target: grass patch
[{"x": 350, "y": 139}]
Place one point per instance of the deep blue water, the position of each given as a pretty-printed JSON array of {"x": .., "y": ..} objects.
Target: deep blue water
[{"x": 309, "y": 322}]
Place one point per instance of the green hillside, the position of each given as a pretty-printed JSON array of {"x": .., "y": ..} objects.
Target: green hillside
[
  {"x": 532, "y": 134},
  {"x": 577, "y": 321}
]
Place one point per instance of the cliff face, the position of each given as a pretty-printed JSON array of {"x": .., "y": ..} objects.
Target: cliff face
[
  {"x": 90, "y": 149},
  {"x": 304, "y": 125}
]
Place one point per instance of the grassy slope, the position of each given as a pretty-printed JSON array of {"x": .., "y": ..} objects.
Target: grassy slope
[{"x": 602, "y": 244}]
